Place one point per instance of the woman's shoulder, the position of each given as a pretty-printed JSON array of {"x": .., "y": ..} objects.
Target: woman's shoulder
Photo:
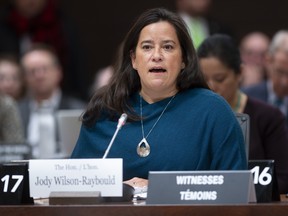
[
  {"x": 198, "y": 92},
  {"x": 206, "y": 102},
  {"x": 204, "y": 96}
]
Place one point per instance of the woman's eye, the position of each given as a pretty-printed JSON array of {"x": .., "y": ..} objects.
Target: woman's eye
[
  {"x": 146, "y": 47},
  {"x": 168, "y": 47},
  {"x": 220, "y": 79}
]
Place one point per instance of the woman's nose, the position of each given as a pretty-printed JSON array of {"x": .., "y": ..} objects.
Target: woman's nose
[
  {"x": 210, "y": 84},
  {"x": 157, "y": 55}
]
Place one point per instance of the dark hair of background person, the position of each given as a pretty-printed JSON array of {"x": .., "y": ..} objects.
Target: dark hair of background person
[
  {"x": 9, "y": 57},
  {"x": 113, "y": 98},
  {"x": 46, "y": 48},
  {"x": 228, "y": 53}
]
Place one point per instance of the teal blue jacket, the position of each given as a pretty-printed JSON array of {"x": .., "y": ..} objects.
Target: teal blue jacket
[{"x": 198, "y": 131}]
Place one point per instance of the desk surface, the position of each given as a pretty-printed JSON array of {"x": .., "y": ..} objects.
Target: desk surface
[{"x": 263, "y": 209}]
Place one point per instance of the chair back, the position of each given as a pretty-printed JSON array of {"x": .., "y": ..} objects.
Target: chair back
[{"x": 244, "y": 121}]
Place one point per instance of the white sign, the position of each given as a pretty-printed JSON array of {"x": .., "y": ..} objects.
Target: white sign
[
  {"x": 77, "y": 175},
  {"x": 201, "y": 187}
]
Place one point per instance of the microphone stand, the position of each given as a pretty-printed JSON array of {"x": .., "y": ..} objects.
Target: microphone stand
[{"x": 121, "y": 122}]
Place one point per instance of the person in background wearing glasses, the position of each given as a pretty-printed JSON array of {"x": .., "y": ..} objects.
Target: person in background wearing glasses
[
  {"x": 43, "y": 75},
  {"x": 275, "y": 89}
]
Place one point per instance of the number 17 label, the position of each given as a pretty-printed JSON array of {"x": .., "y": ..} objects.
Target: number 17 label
[{"x": 6, "y": 180}]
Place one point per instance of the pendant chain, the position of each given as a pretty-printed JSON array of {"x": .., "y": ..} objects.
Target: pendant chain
[{"x": 142, "y": 125}]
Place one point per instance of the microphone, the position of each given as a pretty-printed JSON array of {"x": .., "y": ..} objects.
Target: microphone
[
  {"x": 121, "y": 122},
  {"x": 128, "y": 191}
]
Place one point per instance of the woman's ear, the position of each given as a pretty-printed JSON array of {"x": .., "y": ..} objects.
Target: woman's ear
[
  {"x": 132, "y": 57},
  {"x": 182, "y": 65}
]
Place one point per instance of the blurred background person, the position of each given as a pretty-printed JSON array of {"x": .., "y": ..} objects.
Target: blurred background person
[
  {"x": 43, "y": 75},
  {"x": 24, "y": 22},
  {"x": 102, "y": 77},
  {"x": 220, "y": 62},
  {"x": 11, "y": 77},
  {"x": 195, "y": 13},
  {"x": 253, "y": 49},
  {"x": 274, "y": 90},
  {"x": 11, "y": 129}
]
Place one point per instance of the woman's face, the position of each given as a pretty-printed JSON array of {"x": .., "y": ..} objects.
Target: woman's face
[
  {"x": 158, "y": 58},
  {"x": 10, "y": 80},
  {"x": 220, "y": 78}
]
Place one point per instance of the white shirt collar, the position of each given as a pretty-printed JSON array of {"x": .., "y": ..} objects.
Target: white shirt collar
[{"x": 53, "y": 102}]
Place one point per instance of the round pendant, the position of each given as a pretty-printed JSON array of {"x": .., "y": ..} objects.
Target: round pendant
[{"x": 143, "y": 148}]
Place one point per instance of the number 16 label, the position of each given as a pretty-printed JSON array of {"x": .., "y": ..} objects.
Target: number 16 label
[{"x": 264, "y": 177}]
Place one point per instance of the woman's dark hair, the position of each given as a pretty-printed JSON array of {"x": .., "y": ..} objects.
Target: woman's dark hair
[
  {"x": 113, "y": 98},
  {"x": 223, "y": 48}
]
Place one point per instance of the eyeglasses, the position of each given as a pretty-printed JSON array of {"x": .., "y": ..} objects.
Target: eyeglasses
[{"x": 43, "y": 68}]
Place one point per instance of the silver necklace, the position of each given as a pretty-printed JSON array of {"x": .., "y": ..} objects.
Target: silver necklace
[{"x": 143, "y": 148}]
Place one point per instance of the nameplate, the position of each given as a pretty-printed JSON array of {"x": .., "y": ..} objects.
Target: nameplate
[
  {"x": 201, "y": 187},
  {"x": 76, "y": 175}
]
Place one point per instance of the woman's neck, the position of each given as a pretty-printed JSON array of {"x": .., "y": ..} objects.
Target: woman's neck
[{"x": 156, "y": 96}]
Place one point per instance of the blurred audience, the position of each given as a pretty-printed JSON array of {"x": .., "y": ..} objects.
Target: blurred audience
[
  {"x": 220, "y": 62},
  {"x": 24, "y": 22},
  {"x": 253, "y": 49},
  {"x": 43, "y": 75},
  {"x": 11, "y": 130},
  {"x": 274, "y": 90},
  {"x": 196, "y": 15},
  {"x": 11, "y": 77},
  {"x": 102, "y": 78}
]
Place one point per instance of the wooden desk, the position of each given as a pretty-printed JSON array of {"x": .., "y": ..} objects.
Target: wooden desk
[{"x": 269, "y": 209}]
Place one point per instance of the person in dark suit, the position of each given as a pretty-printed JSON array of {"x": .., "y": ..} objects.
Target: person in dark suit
[
  {"x": 221, "y": 64},
  {"x": 275, "y": 89},
  {"x": 43, "y": 75}
]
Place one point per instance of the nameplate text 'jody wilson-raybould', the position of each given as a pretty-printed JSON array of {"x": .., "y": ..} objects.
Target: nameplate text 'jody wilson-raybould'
[{"x": 76, "y": 175}]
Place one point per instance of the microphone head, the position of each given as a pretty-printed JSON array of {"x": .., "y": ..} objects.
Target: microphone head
[{"x": 122, "y": 120}]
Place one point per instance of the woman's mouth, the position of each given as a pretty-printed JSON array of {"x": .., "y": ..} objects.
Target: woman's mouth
[{"x": 157, "y": 70}]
